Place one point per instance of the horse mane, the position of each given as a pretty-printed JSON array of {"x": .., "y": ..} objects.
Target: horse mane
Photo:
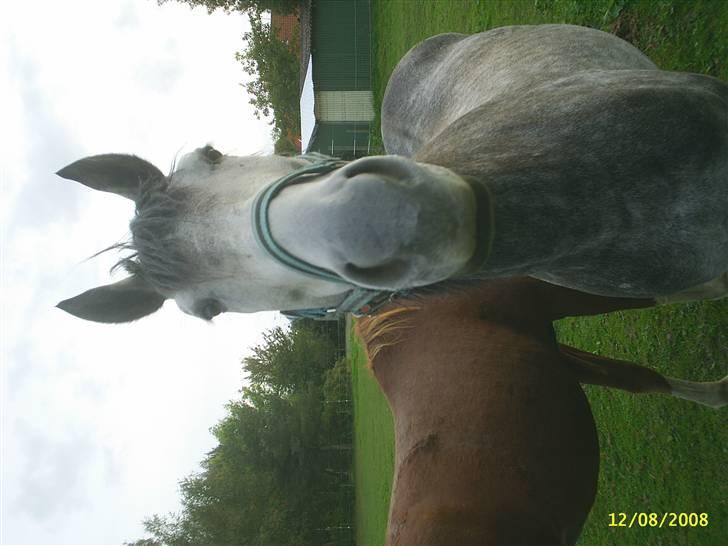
[{"x": 383, "y": 329}]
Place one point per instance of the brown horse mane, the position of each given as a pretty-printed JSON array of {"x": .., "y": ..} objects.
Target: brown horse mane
[{"x": 383, "y": 329}]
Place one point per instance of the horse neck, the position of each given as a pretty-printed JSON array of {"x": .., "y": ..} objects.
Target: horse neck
[
  {"x": 528, "y": 239},
  {"x": 471, "y": 379},
  {"x": 472, "y": 312},
  {"x": 446, "y": 360}
]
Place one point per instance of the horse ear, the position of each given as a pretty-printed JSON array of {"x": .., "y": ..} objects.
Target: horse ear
[
  {"x": 122, "y": 301},
  {"x": 115, "y": 173}
]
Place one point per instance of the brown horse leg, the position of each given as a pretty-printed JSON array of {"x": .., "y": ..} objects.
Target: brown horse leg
[
  {"x": 609, "y": 372},
  {"x": 560, "y": 302}
]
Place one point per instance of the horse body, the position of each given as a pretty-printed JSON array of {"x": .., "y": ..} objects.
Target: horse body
[
  {"x": 598, "y": 163},
  {"x": 450, "y": 75},
  {"x": 495, "y": 442},
  {"x": 561, "y": 150}
]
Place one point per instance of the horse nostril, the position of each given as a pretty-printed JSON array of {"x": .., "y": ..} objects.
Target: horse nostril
[
  {"x": 353, "y": 169},
  {"x": 378, "y": 275},
  {"x": 385, "y": 167},
  {"x": 211, "y": 308}
]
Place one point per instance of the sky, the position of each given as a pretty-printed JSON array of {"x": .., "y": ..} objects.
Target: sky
[{"x": 99, "y": 423}]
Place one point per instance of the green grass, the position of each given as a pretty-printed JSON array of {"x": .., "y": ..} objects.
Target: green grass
[
  {"x": 373, "y": 450},
  {"x": 658, "y": 453}
]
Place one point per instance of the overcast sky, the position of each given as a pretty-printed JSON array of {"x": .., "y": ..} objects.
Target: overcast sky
[{"x": 99, "y": 422}]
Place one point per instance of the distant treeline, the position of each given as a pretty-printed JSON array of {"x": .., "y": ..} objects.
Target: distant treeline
[
  {"x": 281, "y": 472},
  {"x": 279, "y": 6}
]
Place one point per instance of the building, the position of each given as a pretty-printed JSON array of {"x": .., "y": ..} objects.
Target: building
[
  {"x": 286, "y": 29},
  {"x": 334, "y": 38},
  {"x": 339, "y": 42}
]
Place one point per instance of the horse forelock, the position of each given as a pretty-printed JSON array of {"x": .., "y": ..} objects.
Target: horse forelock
[{"x": 158, "y": 254}]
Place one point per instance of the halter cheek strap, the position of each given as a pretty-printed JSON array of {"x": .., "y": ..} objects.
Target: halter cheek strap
[{"x": 261, "y": 219}]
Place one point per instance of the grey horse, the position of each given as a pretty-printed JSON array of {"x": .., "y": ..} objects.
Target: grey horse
[{"x": 555, "y": 151}]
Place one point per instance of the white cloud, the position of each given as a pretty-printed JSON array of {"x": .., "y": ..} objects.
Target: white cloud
[{"x": 99, "y": 423}]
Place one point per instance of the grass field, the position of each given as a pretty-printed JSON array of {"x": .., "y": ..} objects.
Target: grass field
[{"x": 658, "y": 454}]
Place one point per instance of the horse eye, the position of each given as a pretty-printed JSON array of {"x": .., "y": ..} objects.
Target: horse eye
[
  {"x": 211, "y": 309},
  {"x": 211, "y": 154}
]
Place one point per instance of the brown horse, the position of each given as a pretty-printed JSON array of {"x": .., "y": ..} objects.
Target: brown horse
[{"x": 495, "y": 440}]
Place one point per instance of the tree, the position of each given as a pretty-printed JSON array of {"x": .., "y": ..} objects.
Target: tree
[
  {"x": 289, "y": 360},
  {"x": 270, "y": 481},
  {"x": 283, "y": 7},
  {"x": 284, "y": 146},
  {"x": 275, "y": 70}
]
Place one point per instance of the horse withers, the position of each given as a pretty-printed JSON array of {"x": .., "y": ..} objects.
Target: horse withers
[
  {"x": 553, "y": 151},
  {"x": 495, "y": 442}
]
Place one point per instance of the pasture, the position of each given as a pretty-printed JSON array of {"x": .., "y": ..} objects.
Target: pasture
[{"x": 658, "y": 454}]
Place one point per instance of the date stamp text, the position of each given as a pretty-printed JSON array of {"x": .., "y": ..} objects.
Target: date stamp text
[{"x": 655, "y": 519}]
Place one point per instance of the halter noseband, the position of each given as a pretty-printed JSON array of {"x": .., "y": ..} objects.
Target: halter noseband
[{"x": 359, "y": 301}]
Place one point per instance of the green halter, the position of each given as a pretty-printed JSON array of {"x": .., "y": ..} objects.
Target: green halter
[{"x": 359, "y": 301}]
